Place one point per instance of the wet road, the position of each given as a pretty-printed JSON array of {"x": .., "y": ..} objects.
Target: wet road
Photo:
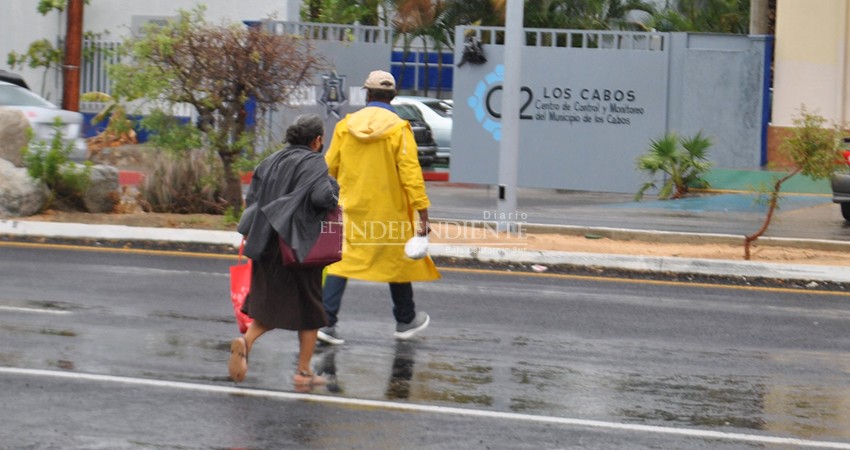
[{"x": 115, "y": 349}]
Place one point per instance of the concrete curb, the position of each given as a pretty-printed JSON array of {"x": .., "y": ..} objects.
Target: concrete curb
[
  {"x": 483, "y": 254},
  {"x": 117, "y": 232},
  {"x": 661, "y": 264}
]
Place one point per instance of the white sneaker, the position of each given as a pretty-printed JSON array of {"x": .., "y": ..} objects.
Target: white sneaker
[
  {"x": 407, "y": 330},
  {"x": 328, "y": 335}
]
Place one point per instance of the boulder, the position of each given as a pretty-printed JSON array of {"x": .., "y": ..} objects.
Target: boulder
[
  {"x": 20, "y": 194},
  {"x": 13, "y": 135},
  {"x": 103, "y": 192}
]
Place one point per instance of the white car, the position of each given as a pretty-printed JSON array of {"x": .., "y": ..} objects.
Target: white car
[
  {"x": 42, "y": 115},
  {"x": 438, "y": 115}
]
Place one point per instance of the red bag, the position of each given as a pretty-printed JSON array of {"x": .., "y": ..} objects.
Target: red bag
[
  {"x": 327, "y": 249},
  {"x": 240, "y": 285}
]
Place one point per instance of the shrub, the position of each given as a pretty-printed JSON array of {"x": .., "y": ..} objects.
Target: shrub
[
  {"x": 50, "y": 164},
  {"x": 682, "y": 160},
  {"x": 184, "y": 183}
]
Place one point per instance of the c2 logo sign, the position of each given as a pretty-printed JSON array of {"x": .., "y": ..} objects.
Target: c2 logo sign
[
  {"x": 498, "y": 115},
  {"x": 480, "y": 102}
]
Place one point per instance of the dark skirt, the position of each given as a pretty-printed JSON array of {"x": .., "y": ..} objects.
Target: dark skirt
[{"x": 283, "y": 297}]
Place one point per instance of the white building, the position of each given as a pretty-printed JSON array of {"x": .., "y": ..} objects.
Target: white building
[{"x": 22, "y": 24}]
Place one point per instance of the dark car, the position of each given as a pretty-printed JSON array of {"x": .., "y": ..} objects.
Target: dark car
[
  {"x": 421, "y": 132},
  {"x": 841, "y": 184}
]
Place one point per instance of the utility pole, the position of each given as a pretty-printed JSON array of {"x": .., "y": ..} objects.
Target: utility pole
[
  {"x": 509, "y": 144},
  {"x": 758, "y": 17},
  {"x": 73, "y": 56}
]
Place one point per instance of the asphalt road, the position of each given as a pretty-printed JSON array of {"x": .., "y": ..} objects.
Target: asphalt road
[{"x": 120, "y": 349}]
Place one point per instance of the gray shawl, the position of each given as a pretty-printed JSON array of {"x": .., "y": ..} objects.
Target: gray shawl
[{"x": 291, "y": 192}]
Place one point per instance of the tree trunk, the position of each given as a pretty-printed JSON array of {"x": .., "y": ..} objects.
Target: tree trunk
[
  {"x": 759, "y": 17},
  {"x": 232, "y": 182},
  {"x": 425, "y": 57},
  {"x": 774, "y": 200}
]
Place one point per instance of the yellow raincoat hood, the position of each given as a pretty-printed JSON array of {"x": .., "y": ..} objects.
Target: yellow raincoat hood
[
  {"x": 374, "y": 158},
  {"x": 374, "y": 123}
]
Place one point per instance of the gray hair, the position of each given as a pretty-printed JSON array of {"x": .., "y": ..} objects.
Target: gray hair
[{"x": 305, "y": 128}]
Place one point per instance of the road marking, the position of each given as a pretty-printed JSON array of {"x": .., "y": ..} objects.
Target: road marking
[
  {"x": 33, "y": 310},
  {"x": 412, "y": 407},
  {"x": 563, "y": 276}
]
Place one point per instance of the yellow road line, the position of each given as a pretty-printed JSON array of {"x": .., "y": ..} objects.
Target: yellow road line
[{"x": 446, "y": 269}]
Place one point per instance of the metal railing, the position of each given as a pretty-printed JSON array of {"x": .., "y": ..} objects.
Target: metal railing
[
  {"x": 578, "y": 39},
  {"x": 332, "y": 32},
  {"x": 99, "y": 54}
]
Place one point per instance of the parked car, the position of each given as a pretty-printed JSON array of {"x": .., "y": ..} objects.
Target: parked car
[
  {"x": 42, "y": 116},
  {"x": 421, "y": 132},
  {"x": 841, "y": 184},
  {"x": 13, "y": 78},
  {"x": 438, "y": 114}
]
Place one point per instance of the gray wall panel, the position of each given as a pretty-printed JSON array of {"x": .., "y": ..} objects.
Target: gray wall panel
[{"x": 686, "y": 83}]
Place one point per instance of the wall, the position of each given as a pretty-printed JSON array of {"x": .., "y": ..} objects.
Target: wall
[
  {"x": 593, "y": 101},
  {"x": 720, "y": 90},
  {"x": 22, "y": 24},
  {"x": 812, "y": 63},
  {"x": 351, "y": 52},
  {"x": 811, "y": 67}
]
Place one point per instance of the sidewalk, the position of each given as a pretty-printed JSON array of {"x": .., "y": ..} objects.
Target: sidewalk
[{"x": 458, "y": 197}]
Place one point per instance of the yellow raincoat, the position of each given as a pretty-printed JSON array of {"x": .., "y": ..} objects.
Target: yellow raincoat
[{"x": 374, "y": 158}]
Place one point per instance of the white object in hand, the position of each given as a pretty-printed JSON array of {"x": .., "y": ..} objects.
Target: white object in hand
[{"x": 416, "y": 247}]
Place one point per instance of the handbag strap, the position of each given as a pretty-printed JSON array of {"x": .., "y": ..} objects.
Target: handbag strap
[{"x": 241, "y": 248}]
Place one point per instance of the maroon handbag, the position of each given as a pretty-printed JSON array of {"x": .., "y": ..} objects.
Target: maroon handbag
[{"x": 327, "y": 249}]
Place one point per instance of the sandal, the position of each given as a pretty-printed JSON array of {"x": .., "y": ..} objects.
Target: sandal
[
  {"x": 302, "y": 378},
  {"x": 238, "y": 365}
]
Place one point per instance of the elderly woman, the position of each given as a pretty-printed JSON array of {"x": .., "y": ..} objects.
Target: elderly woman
[{"x": 290, "y": 194}]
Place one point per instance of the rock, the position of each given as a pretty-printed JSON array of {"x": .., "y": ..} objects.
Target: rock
[
  {"x": 104, "y": 192},
  {"x": 20, "y": 195},
  {"x": 13, "y": 135},
  {"x": 101, "y": 196}
]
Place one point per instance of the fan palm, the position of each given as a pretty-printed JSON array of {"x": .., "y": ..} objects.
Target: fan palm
[{"x": 683, "y": 161}]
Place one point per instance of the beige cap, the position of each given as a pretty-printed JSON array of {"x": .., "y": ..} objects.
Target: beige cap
[{"x": 378, "y": 79}]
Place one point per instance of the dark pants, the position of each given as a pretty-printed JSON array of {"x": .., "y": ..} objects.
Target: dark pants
[{"x": 404, "y": 309}]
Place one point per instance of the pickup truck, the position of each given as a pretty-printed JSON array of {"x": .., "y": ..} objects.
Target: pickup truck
[
  {"x": 421, "y": 132},
  {"x": 841, "y": 184}
]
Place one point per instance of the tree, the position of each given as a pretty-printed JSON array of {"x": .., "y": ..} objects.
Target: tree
[
  {"x": 582, "y": 14},
  {"x": 218, "y": 69},
  {"x": 716, "y": 16},
  {"x": 814, "y": 151},
  {"x": 364, "y": 12}
]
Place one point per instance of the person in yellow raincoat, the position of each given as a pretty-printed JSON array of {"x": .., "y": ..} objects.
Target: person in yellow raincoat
[{"x": 374, "y": 158}]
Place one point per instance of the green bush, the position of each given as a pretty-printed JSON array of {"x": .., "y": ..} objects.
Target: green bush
[
  {"x": 50, "y": 164},
  {"x": 682, "y": 160},
  {"x": 184, "y": 183}
]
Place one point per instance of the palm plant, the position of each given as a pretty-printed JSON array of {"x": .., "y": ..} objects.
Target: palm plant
[
  {"x": 719, "y": 16},
  {"x": 682, "y": 160}
]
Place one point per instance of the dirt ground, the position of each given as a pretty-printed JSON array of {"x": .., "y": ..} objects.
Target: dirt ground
[{"x": 478, "y": 237}]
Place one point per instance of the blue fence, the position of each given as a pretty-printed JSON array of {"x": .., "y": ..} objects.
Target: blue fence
[{"x": 420, "y": 71}]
